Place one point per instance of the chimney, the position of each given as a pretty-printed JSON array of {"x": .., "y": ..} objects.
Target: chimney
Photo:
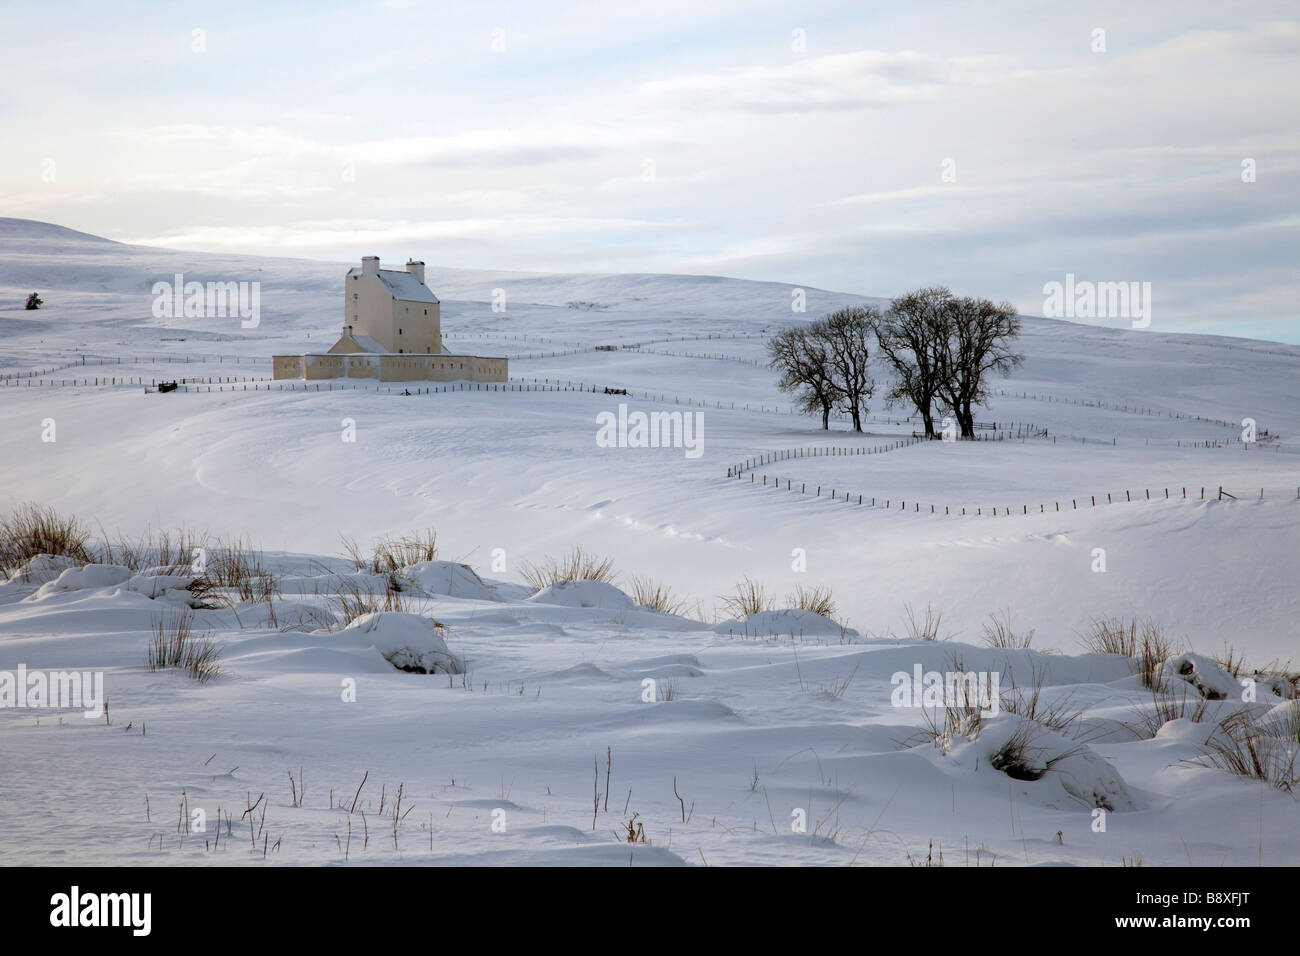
[
  {"x": 370, "y": 265},
  {"x": 416, "y": 269}
]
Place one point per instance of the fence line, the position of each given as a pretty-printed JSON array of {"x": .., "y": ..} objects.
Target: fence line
[
  {"x": 184, "y": 359},
  {"x": 1219, "y": 494},
  {"x": 695, "y": 355},
  {"x": 1097, "y": 403},
  {"x": 1021, "y": 429},
  {"x": 828, "y": 451}
]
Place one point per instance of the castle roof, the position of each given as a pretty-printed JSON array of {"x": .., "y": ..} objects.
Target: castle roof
[{"x": 402, "y": 285}]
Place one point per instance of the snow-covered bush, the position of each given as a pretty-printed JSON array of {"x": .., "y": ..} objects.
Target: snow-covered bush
[
  {"x": 1062, "y": 771},
  {"x": 410, "y": 642},
  {"x": 584, "y": 594},
  {"x": 1209, "y": 679},
  {"x": 451, "y": 579}
]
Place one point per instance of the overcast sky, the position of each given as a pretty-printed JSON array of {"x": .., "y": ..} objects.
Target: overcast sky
[{"x": 862, "y": 147}]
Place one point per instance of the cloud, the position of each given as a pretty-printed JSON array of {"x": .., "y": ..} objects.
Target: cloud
[
  {"x": 843, "y": 81},
  {"x": 496, "y": 147},
  {"x": 356, "y": 233},
  {"x": 1263, "y": 40}
]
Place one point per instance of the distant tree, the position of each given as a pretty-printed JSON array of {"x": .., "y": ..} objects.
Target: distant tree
[
  {"x": 979, "y": 341},
  {"x": 34, "y": 301},
  {"x": 804, "y": 365},
  {"x": 847, "y": 335},
  {"x": 911, "y": 337}
]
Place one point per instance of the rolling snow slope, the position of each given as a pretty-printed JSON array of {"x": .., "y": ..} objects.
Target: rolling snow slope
[{"x": 518, "y": 475}]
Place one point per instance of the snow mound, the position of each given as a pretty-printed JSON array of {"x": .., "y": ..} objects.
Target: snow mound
[
  {"x": 584, "y": 594},
  {"x": 84, "y": 578},
  {"x": 788, "y": 621},
  {"x": 42, "y": 569},
  {"x": 156, "y": 585},
  {"x": 1282, "y": 720},
  {"x": 1272, "y": 687},
  {"x": 1055, "y": 770},
  {"x": 410, "y": 642},
  {"x": 451, "y": 579},
  {"x": 1209, "y": 679}
]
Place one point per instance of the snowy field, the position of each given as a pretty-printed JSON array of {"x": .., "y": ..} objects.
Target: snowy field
[{"x": 770, "y": 722}]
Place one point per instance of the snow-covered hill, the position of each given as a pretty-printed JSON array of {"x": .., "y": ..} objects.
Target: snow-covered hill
[{"x": 511, "y": 477}]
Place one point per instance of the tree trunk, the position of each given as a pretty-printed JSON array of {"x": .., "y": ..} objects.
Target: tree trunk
[
  {"x": 826, "y": 417},
  {"x": 967, "y": 419},
  {"x": 929, "y": 422}
]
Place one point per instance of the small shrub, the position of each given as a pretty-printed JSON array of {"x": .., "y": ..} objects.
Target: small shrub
[
  {"x": 1030, "y": 705},
  {"x": 129, "y": 554},
  {"x": 206, "y": 595},
  {"x": 1112, "y": 636},
  {"x": 393, "y": 554},
  {"x": 32, "y": 530},
  {"x": 1232, "y": 662},
  {"x": 356, "y": 598},
  {"x": 175, "y": 645},
  {"x": 1154, "y": 648},
  {"x": 577, "y": 565},
  {"x": 657, "y": 597},
  {"x": 1243, "y": 747},
  {"x": 1143, "y": 640},
  {"x": 1020, "y": 758},
  {"x": 750, "y": 597},
  {"x": 389, "y": 554},
  {"x": 922, "y": 628},
  {"x": 962, "y": 716},
  {"x": 634, "y": 831},
  {"x": 173, "y": 551},
  {"x": 837, "y": 686},
  {"x": 34, "y": 302},
  {"x": 1167, "y": 707},
  {"x": 238, "y": 567},
  {"x": 818, "y": 600},
  {"x": 310, "y": 619},
  {"x": 960, "y": 719},
  {"x": 999, "y": 633},
  {"x": 176, "y": 550}
]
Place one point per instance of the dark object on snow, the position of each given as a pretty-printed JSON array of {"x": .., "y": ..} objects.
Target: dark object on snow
[
  {"x": 167, "y": 386},
  {"x": 34, "y": 301},
  {"x": 615, "y": 391}
]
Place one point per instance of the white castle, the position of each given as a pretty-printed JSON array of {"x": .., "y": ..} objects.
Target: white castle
[{"x": 392, "y": 332}]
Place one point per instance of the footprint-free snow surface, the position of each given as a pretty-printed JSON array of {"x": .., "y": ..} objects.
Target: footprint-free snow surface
[{"x": 471, "y": 719}]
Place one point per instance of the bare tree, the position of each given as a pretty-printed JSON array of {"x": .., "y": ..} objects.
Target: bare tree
[
  {"x": 912, "y": 337},
  {"x": 846, "y": 335},
  {"x": 980, "y": 336},
  {"x": 804, "y": 364}
]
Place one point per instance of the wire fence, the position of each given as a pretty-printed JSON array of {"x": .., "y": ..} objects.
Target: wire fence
[
  {"x": 1183, "y": 493},
  {"x": 1129, "y": 409},
  {"x": 101, "y": 362},
  {"x": 845, "y": 451},
  {"x": 717, "y": 357}
]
